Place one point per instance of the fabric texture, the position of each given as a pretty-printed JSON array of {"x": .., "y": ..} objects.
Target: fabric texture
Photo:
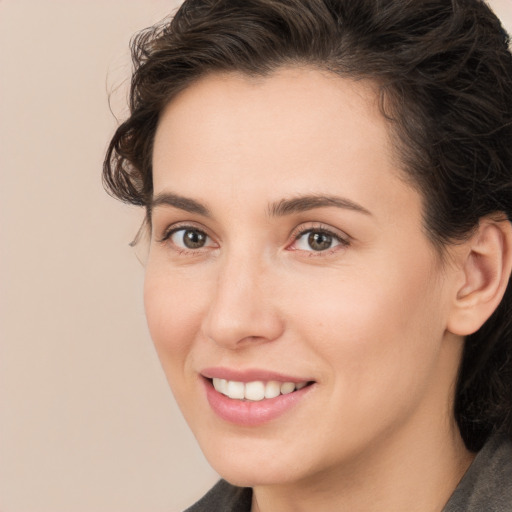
[
  {"x": 486, "y": 486},
  {"x": 224, "y": 497}
]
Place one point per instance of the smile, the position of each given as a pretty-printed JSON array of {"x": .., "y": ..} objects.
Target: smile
[
  {"x": 256, "y": 390},
  {"x": 253, "y": 398}
]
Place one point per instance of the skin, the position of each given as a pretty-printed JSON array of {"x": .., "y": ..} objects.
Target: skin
[{"x": 367, "y": 319}]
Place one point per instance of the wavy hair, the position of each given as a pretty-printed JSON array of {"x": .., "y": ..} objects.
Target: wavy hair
[{"x": 444, "y": 69}]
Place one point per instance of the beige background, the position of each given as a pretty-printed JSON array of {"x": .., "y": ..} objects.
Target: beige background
[{"x": 87, "y": 423}]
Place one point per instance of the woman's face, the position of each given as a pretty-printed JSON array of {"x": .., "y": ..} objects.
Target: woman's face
[{"x": 286, "y": 248}]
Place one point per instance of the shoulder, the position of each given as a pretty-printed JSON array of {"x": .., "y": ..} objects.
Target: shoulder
[
  {"x": 224, "y": 497},
  {"x": 487, "y": 485}
]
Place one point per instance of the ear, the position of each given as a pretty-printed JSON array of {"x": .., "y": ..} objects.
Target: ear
[{"x": 485, "y": 263}]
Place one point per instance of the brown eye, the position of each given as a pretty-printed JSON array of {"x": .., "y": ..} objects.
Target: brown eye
[
  {"x": 319, "y": 241},
  {"x": 189, "y": 238}
]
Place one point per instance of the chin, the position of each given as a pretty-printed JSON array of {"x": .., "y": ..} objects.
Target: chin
[
  {"x": 256, "y": 465},
  {"x": 245, "y": 475}
]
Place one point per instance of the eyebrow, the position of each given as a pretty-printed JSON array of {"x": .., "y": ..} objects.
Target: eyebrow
[
  {"x": 180, "y": 202},
  {"x": 310, "y": 202},
  {"x": 278, "y": 209}
]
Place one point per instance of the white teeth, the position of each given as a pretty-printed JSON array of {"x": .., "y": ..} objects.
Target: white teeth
[
  {"x": 255, "y": 390},
  {"x": 235, "y": 390},
  {"x": 287, "y": 387},
  {"x": 221, "y": 385},
  {"x": 272, "y": 389}
]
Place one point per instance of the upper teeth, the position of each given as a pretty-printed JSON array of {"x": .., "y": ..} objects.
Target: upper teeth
[{"x": 256, "y": 390}]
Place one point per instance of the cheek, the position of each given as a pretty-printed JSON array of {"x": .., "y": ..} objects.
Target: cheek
[
  {"x": 173, "y": 312},
  {"x": 378, "y": 331}
]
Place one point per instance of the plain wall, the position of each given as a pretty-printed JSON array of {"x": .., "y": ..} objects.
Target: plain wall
[{"x": 87, "y": 422}]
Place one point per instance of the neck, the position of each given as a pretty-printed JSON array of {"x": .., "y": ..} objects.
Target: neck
[{"x": 394, "y": 474}]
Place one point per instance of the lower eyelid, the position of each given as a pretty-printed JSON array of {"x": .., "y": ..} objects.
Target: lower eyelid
[{"x": 342, "y": 242}]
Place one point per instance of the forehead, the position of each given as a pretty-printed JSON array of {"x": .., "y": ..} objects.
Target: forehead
[
  {"x": 299, "y": 94},
  {"x": 296, "y": 131}
]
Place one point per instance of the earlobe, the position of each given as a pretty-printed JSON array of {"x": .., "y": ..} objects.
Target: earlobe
[{"x": 486, "y": 266}]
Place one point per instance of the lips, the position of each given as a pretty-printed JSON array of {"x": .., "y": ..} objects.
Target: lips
[{"x": 252, "y": 397}]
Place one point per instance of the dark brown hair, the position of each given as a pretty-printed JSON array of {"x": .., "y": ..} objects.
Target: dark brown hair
[{"x": 444, "y": 69}]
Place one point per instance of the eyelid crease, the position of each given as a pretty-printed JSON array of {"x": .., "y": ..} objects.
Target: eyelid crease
[
  {"x": 173, "y": 228},
  {"x": 321, "y": 228},
  {"x": 167, "y": 241},
  {"x": 300, "y": 231},
  {"x": 343, "y": 238}
]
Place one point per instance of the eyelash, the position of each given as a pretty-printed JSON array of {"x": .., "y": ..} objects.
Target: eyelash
[
  {"x": 169, "y": 232},
  {"x": 297, "y": 234},
  {"x": 344, "y": 241}
]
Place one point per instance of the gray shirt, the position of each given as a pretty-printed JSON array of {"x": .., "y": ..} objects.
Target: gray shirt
[{"x": 486, "y": 486}]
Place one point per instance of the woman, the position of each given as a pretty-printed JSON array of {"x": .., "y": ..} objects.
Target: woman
[{"x": 328, "y": 190}]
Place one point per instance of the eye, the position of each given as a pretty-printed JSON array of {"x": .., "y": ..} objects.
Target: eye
[
  {"x": 189, "y": 238},
  {"x": 317, "y": 240}
]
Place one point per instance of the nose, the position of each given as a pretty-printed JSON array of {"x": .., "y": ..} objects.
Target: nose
[{"x": 243, "y": 309}]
